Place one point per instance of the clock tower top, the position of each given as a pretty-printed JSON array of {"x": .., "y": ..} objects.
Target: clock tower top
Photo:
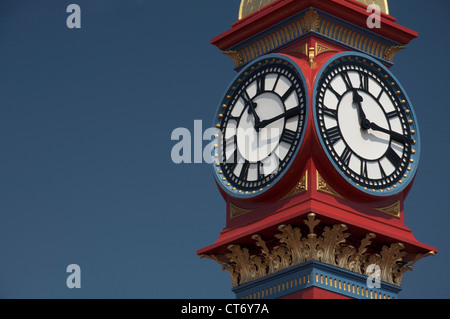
[{"x": 267, "y": 26}]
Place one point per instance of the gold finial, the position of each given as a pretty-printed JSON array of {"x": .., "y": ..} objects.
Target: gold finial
[{"x": 249, "y": 6}]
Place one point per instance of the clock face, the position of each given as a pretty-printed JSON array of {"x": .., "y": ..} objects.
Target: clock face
[
  {"x": 366, "y": 124},
  {"x": 262, "y": 123}
]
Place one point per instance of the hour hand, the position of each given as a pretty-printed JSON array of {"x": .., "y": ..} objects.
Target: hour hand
[
  {"x": 362, "y": 116},
  {"x": 251, "y": 110},
  {"x": 394, "y": 135}
]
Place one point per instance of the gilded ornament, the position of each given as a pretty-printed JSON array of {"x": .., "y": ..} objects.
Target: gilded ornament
[
  {"x": 323, "y": 187},
  {"x": 293, "y": 248},
  {"x": 250, "y": 6},
  {"x": 393, "y": 209},
  {"x": 302, "y": 186},
  {"x": 236, "y": 211}
]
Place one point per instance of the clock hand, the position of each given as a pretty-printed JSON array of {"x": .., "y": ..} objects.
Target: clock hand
[
  {"x": 362, "y": 116},
  {"x": 251, "y": 109},
  {"x": 394, "y": 135},
  {"x": 257, "y": 120},
  {"x": 290, "y": 113}
]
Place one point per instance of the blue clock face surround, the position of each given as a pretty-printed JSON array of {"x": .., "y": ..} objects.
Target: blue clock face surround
[
  {"x": 261, "y": 123},
  {"x": 366, "y": 124}
]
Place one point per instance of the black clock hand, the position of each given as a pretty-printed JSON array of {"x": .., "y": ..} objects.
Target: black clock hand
[
  {"x": 290, "y": 113},
  {"x": 362, "y": 116},
  {"x": 251, "y": 109},
  {"x": 394, "y": 135}
]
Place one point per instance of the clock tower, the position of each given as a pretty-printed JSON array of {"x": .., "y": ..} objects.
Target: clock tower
[{"x": 317, "y": 147}]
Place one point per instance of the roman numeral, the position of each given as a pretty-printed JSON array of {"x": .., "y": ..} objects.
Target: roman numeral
[
  {"x": 363, "y": 170},
  {"x": 329, "y": 87},
  {"x": 288, "y": 136},
  {"x": 346, "y": 156},
  {"x": 392, "y": 115},
  {"x": 347, "y": 81},
  {"x": 330, "y": 112},
  {"x": 233, "y": 118},
  {"x": 293, "y": 112},
  {"x": 230, "y": 167},
  {"x": 244, "y": 171},
  {"x": 276, "y": 82},
  {"x": 383, "y": 173},
  {"x": 364, "y": 78},
  {"x": 230, "y": 142},
  {"x": 393, "y": 157},
  {"x": 288, "y": 93},
  {"x": 334, "y": 135},
  {"x": 260, "y": 174},
  {"x": 260, "y": 84},
  {"x": 246, "y": 97}
]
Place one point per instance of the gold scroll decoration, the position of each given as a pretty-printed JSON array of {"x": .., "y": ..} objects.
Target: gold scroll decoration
[
  {"x": 302, "y": 186},
  {"x": 329, "y": 247},
  {"x": 322, "y": 186}
]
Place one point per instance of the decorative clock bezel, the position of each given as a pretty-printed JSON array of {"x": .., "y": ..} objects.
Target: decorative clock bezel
[
  {"x": 234, "y": 88},
  {"x": 401, "y": 102}
]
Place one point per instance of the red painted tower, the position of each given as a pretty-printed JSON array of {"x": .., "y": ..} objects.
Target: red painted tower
[{"x": 317, "y": 148}]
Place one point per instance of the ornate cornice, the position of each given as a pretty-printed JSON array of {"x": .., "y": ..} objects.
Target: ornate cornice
[
  {"x": 320, "y": 23},
  {"x": 330, "y": 247}
]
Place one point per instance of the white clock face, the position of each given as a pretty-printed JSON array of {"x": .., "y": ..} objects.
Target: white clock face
[
  {"x": 261, "y": 121},
  {"x": 365, "y": 124}
]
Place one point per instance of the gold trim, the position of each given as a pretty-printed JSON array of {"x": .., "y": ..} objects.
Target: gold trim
[
  {"x": 248, "y": 7},
  {"x": 235, "y": 56},
  {"x": 236, "y": 211},
  {"x": 284, "y": 34},
  {"x": 311, "y": 57},
  {"x": 312, "y": 52},
  {"x": 393, "y": 210},
  {"x": 322, "y": 186},
  {"x": 329, "y": 247},
  {"x": 303, "y": 49},
  {"x": 321, "y": 48},
  {"x": 301, "y": 187},
  {"x": 392, "y": 51},
  {"x": 311, "y": 21}
]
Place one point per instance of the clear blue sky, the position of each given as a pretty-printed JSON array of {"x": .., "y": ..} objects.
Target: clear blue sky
[{"x": 85, "y": 123}]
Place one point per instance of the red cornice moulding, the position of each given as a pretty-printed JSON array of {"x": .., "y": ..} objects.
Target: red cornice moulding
[
  {"x": 348, "y": 10},
  {"x": 363, "y": 224}
]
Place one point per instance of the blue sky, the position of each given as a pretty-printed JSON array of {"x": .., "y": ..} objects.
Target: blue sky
[{"x": 86, "y": 118}]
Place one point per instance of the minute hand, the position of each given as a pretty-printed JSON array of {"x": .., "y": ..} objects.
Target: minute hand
[
  {"x": 394, "y": 135},
  {"x": 290, "y": 113}
]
